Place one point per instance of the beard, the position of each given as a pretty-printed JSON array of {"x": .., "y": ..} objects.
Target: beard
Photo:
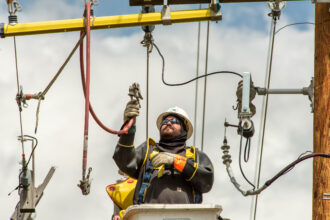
[
  {"x": 169, "y": 133},
  {"x": 168, "y": 136}
]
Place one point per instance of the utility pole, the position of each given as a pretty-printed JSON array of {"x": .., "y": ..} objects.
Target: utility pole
[{"x": 321, "y": 166}]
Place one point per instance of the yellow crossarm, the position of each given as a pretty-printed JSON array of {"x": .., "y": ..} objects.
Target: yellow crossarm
[{"x": 118, "y": 21}]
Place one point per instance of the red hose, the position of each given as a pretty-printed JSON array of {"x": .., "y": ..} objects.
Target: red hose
[
  {"x": 87, "y": 16},
  {"x": 82, "y": 71}
]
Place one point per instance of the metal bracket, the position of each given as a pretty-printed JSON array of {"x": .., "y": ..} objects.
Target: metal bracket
[
  {"x": 326, "y": 196},
  {"x": 30, "y": 196},
  {"x": 2, "y": 30},
  {"x": 166, "y": 14},
  {"x": 320, "y": 1},
  {"x": 246, "y": 92},
  {"x": 309, "y": 91},
  {"x": 215, "y": 10}
]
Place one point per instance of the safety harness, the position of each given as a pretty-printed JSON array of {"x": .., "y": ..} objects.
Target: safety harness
[
  {"x": 190, "y": 155},
  {"x": 122, "y": 193}
]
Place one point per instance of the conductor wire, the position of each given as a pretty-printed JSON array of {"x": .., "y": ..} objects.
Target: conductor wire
[
  {"x": 265, "y": 109},
  {"x": 197, "y": 70},
  {"x": 205, "y": 82},
  {"x": 18, "y": 91}
]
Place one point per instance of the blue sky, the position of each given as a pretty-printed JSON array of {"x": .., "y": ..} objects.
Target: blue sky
[{"x": 239, "y": 42}]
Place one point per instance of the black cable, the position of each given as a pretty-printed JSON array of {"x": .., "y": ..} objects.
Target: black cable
[
  {"x": 26, "y": 165},
  {"x": 247, "y": 150},
  {"x": 240, "y": 164},
  {"x": 291, "y": 165},
  {"x": 288, "y": 25},
  {"x": 34, "y": 147},
  {"x": 302, "y": 154},
  {"x": 189, "y": 81},
  {"x": 298, "y": 23}
]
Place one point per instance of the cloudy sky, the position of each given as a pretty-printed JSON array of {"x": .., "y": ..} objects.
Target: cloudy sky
[{"x": 237, "y": 43}]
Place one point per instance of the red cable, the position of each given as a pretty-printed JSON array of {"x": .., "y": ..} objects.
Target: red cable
[
  {"x": 87, "y": 13},
  {"x": 82, "y": 71}
]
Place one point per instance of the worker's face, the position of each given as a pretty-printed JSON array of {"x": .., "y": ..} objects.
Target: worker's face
[{"x": 170, "y": 129}]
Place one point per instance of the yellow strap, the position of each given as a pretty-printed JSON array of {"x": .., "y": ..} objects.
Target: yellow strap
[
  {"x": 153, "y": 143},
  {"x": 190, "y": 153},
  {"x": 122, "y": 145},
  {"x": 192, "y": 176},
  {"x": 121, "y": 214}
]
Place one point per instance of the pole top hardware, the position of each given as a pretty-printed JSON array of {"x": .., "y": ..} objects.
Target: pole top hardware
[
  {"x": 160, "y": 2},
  {"x": 166, "y": 13}
]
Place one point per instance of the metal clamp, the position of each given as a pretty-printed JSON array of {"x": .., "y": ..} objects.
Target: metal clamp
[
  {"x": 276, "y": 6},
  {"x": 166, "y": 14},
  {"x": 134, "y": 92},
  {"x": 85, "y": 183},
  {"x": 215, "y": 10},
  {"x": 326, "y": 196}
]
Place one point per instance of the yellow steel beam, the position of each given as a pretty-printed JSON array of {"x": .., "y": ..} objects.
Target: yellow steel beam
[{"x": 107, "y": 22}]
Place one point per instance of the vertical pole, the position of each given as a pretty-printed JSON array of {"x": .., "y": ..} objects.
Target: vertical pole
[{"x": 321, "y": 166}]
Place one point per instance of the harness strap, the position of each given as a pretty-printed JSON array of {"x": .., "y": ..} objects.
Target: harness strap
[{"x": 145, "y": 183}]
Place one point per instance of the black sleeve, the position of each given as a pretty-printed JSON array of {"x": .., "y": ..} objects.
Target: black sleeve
[
  {"x": 200, "y": 173},
  {"x": 128, "y": 158}
]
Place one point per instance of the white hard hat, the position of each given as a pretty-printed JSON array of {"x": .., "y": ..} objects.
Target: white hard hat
[{"x": 180, "y": 112}]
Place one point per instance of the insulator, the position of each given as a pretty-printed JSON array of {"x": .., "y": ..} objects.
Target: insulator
[
  {"x": 92, "y": 12},
  {"x": 225, "y": 147},
  {"x": 12, "y": 19},
  {"x": 226, "y": 159}
]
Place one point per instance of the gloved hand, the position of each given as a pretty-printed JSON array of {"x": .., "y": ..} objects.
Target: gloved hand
[
  {"x": 131, "y": 110},
  {"x": 163, "y": 158}
]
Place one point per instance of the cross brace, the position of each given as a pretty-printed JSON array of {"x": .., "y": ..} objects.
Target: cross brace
[{"x": 118, "y": 21}]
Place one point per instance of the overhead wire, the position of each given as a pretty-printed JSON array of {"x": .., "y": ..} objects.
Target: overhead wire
[
  {"x": 18, "y": 92},
  {"x": 197, "y": 70},
  {"x": 147, "y": 94},
  {"x": 264, "y": 111},
  {"x": 300, "y": 23},
  {"x": 205, "y": 82},
  {"x": 195, "y": 78}
]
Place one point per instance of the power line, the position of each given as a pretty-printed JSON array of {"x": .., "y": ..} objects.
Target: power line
[
  {"x": 205, "y": 81},
  {"x": 191, "y": 80}
]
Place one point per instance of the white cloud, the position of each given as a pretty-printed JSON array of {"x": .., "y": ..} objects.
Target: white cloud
[{"x": 117, "y": 61}]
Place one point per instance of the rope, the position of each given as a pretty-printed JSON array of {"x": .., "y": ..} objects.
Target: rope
[
  {"x": 265, "y": 108},
  {"x": 42, "y": 95},
  {"x": 205, "y": 82},
  {"x": 50, "y": 84},
  {"x": 197, "y": 70},
  {"x": 18, "y": 92}
]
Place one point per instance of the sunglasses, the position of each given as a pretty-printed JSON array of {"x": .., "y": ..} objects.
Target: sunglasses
[{"x": 172, "y": 120}]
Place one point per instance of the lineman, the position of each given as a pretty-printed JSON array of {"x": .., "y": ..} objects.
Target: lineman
[{"x": 168, "y": 171}]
